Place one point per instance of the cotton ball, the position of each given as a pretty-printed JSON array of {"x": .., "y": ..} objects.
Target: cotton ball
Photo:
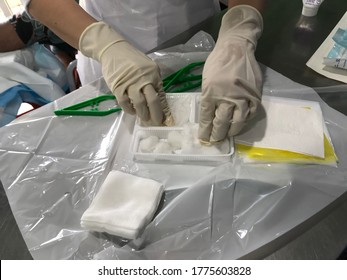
[
  {"x": 218, "y": 148},
  {"x": 188, "y": 148},
  {"x": 187, "y": 140},
  {"x": 180, "y": 107},
  {"x": 209, "y": 150},
  {"x": 191, "y": 143},
  {"x": 163, "y": 148},
  {"x": 188, "y": 133},
  {"x": 175, "y": 139},
  {"x": 147, "y": 145},
  {"x": 195, "y": 133},
  {"x": 224, "y": 146}
]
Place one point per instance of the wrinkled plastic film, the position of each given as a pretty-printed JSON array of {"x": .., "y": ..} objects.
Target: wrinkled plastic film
[
  {"x": 174, "y": 58},
  {"x": 55, "y": 166}
]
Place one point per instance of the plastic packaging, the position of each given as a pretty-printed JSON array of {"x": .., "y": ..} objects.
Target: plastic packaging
[
  {"x": 337, "y": 56},
  {"x": 174, "y": 58},
  {"x": 340, "y": 37},
  {"x": 335, "y": 62},
  {"x": 331, "y": 49},
  {"x": 310, "y": 7},
  {"x": 302, "y": 138},
  {"x": 263, "y": 155}
]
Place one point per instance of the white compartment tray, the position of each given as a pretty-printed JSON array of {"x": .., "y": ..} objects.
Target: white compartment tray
[{"x": 188, "y": 152}]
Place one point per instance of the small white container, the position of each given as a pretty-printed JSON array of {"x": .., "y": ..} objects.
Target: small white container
[
  {"x": 185, "y": 110},
  {"x": 175, "y": 155},
  {"x": 310, "y": 7}
]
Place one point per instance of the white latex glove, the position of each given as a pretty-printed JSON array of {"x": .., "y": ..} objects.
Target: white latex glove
[
  {"x": 131, "y": 75},
  {"x": 232, "y": 79}
]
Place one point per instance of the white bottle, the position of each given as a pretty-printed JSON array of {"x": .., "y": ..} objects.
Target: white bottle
[{"x": 310, "y": 7}]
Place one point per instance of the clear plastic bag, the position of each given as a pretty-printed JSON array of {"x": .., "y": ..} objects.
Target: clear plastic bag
[{"x": 174, "y": 58}]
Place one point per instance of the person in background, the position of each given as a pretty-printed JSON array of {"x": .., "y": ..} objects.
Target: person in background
[
  {"x": 22, "y": 31},
  {"x": 113, "y": 36}
]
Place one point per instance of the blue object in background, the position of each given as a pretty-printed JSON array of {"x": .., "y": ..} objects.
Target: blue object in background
[
  {"x": 11, "y": 100},
  {"x": 340, "y": 37}
]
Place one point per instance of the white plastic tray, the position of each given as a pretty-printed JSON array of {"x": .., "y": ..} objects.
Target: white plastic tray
[{"x": 184, "y": 107}]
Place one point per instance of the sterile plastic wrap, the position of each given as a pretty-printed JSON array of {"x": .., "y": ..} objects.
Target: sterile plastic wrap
[
  {"x": 174, "y": 58},
  {"x": 52, "y": 167}
]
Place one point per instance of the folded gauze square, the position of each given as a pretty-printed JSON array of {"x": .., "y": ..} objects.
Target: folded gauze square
[{"x": 124, "y": 205}]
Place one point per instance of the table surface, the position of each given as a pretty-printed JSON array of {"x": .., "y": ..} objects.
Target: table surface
[{"x": 285, "y": 46}]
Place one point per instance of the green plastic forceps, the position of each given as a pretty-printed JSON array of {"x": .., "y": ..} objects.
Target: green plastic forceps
[
  {"x": 89, "y": 107},
  {"x": 183, "y": 80}
]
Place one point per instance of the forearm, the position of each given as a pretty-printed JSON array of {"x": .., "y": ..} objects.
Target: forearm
[
  {"x": 64, "y": 17},
  {"x": 258, "y": 4},
  {"x": 9, "y": 39}
]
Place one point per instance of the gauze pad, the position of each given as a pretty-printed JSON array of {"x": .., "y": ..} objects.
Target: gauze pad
[{"x": 124, "y": 205}]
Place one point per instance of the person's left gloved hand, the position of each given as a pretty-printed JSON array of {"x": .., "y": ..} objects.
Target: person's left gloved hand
[{"x": 232, "y": 79}]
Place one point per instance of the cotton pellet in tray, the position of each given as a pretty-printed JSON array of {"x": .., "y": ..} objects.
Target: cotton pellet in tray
[{"x": 178, "y": 144}]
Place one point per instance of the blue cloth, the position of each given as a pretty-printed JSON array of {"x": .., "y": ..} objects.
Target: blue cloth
[{"x": 12, "y": 98}]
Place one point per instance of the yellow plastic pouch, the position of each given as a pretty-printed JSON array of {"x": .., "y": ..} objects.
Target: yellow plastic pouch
[{"x": 266, "y": 155}]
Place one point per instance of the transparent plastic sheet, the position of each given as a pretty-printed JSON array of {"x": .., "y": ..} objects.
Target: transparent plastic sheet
[
  {"x": 52, "y": 167},
  {"x": 174, "y": 58}
]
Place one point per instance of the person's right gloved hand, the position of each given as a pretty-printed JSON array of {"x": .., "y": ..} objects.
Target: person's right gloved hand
[{"x": 131, "y": 75}]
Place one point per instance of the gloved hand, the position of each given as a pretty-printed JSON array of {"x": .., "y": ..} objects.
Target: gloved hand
[
  {"x": 132, "y": 76},
  {"x": 232, "y": 79}
]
